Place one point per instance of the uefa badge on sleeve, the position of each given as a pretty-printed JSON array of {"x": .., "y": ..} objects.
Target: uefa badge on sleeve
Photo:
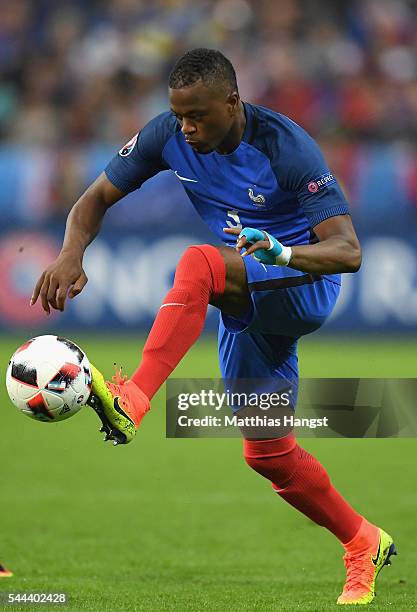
[
  {"x": 128, "y": 147},
  {"x": 321, "y": 182}
]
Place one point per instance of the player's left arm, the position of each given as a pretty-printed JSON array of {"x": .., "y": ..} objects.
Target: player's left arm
[
  {"x": 338, "y": 250},
  {"x": 302, "y": 170}
]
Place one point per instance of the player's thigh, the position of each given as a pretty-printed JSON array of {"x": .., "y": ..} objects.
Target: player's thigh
[
  {"x": 236, "y": 299},
  {"x": 246, "y": 355},
  {"x": 259, "y": 365},
  {"x": 285, "y": 301}
]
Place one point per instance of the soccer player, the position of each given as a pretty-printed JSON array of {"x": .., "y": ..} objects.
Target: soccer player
[
  {"x": 4, "y": 572},
  {"x": 260, "y": 182}
]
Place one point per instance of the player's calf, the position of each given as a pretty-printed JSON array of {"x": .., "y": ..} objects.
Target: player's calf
[
  {"x": 121, "y": 404},
  {"x": 303, "y": 482},
  {"x": 200, "y": 277}
]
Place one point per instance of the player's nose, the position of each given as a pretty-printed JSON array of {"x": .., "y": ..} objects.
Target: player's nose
[{"x": 187, "y": 128}]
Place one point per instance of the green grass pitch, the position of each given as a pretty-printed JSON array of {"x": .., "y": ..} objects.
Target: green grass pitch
[{"x": 184, "y": 524}]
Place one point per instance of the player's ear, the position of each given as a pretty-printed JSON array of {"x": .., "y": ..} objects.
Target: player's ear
[{"x": 233, "y": 103}]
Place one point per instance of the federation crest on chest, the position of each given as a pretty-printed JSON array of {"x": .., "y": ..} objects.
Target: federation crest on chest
[{"x": 258, "y": 199}]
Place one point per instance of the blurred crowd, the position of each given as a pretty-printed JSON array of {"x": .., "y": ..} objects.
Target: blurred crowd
[
  {"x": 79, "y": 77},
  {"x": 82, "y": 71}
]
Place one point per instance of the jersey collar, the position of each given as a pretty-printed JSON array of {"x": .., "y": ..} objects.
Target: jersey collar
[{"x": 250, "y": 127}]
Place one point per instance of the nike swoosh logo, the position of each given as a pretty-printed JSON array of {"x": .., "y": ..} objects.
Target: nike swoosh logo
[
  {"x": 375, "y": 559},
  {"x": 184, "y": 178}
]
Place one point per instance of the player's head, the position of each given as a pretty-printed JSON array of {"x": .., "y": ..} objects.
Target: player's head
[{"x": 204, "y": 96}]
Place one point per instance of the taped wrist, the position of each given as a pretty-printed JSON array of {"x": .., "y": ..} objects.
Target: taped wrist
[{"x": 281, "y": 252}]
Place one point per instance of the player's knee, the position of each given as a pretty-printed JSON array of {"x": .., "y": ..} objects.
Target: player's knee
[
  {"x": 204, "y": 265},
  {"x": 278, "y": 467},
  {"x": 278, "y": 472},
  {"x": 258, "y": 464}
]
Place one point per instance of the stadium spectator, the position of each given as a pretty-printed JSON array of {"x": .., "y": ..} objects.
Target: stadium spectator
[{"x": 76, "y": 75}]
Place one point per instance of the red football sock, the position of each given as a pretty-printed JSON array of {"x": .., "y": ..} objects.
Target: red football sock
[
  {"x": 200, "y": 274},
  {"x": 366, "y": 537},
  {"x": 304, "y": 483}
]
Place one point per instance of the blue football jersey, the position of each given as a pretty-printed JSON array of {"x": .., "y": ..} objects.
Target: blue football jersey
[{"x": 275, "y": 180}]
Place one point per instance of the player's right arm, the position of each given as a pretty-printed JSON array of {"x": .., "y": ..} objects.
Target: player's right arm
[
  {"x": 139, "y": 159},
  {"x": 65, "y": 276}
]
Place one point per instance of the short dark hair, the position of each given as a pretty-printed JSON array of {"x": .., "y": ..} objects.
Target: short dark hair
[{"x": 208, "y": 65}]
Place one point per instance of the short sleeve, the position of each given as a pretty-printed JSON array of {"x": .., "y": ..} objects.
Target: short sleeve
[
  {"x": 141, "y": 157},
  {"x": 303, "y": 170}
]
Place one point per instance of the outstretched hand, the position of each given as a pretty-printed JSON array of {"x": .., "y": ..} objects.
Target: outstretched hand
[{"x": 64, "y": 278}]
